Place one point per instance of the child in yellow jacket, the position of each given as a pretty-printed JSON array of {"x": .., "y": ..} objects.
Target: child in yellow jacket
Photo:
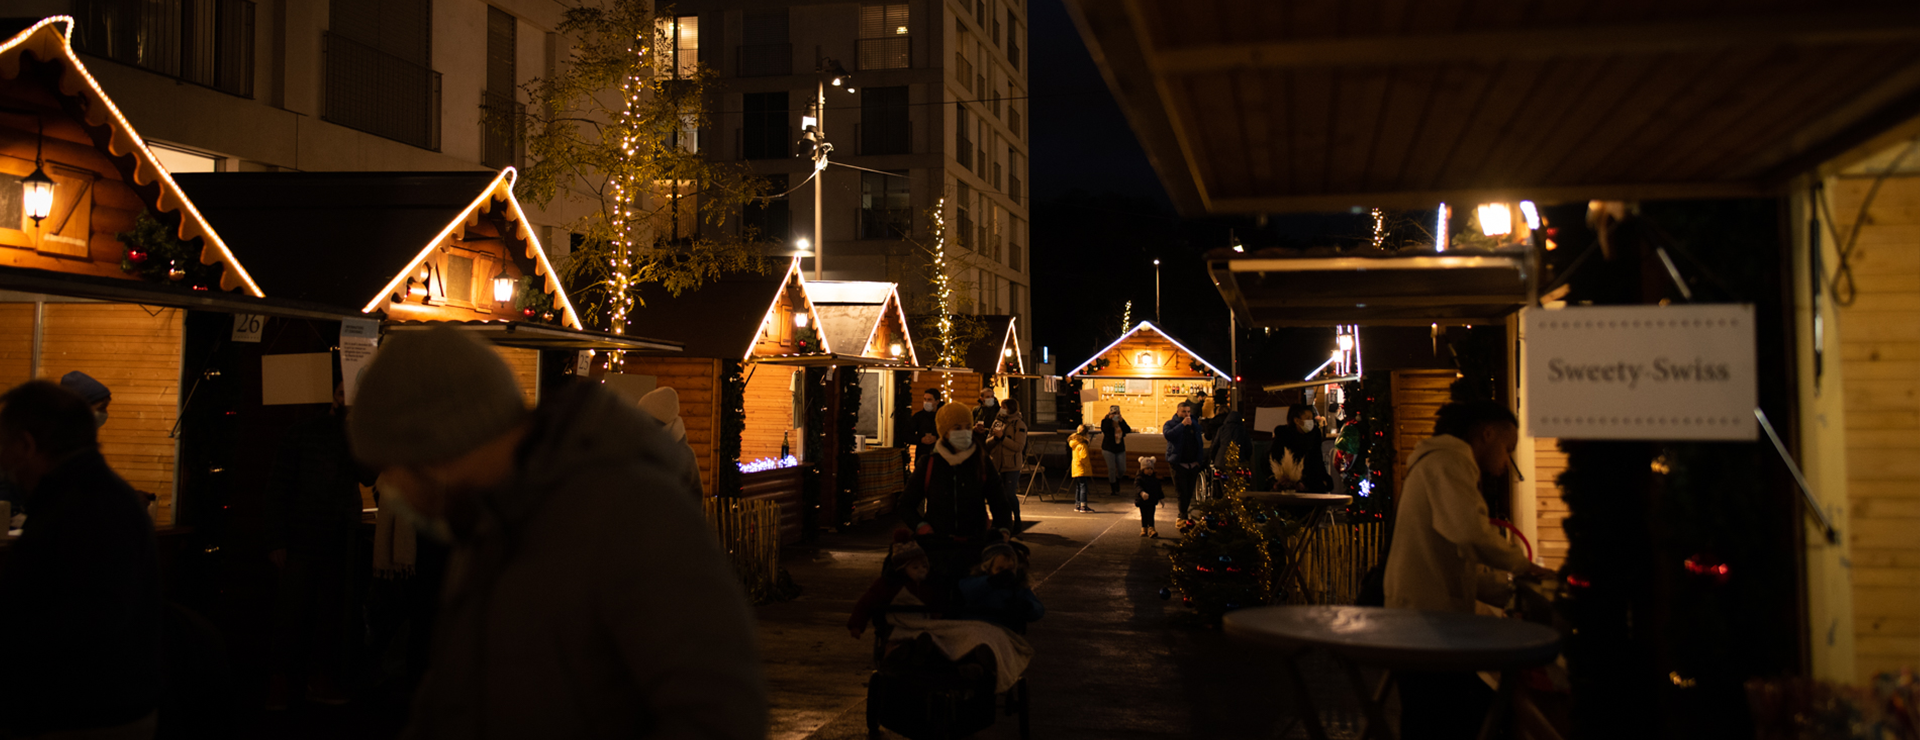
[{"x": 1081, "y": 468}]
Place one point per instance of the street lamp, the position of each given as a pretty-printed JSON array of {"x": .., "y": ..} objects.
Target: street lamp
[
  {"x": 1156, "y": 293},
  {"x": 814, "y": 139}
]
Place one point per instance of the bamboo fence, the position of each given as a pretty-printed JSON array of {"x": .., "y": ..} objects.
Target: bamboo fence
[
  {"x": 1336, "y": 561},
  {"x": 749, "y": 530}
]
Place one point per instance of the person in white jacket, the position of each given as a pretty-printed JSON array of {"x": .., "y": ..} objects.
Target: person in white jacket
[{"x": 1441, "y": 540}]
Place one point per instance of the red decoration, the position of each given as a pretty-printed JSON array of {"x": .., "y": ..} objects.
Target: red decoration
[
  {"x": 137, "y": 256},
  {"x": 1703, "y": 565},
  {"x": 528, "y": 312},
  {"x": 1577, "y": 581}
]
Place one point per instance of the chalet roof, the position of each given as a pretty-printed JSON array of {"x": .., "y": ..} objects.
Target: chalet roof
[
  {"x": 1260, "y": 106},
  {"x": 984, "y": 356},
  {"x": 49, "y": 40},
  {"x": 719, "y": 319},
  {"x": 848, "y": 325},
  {"x": 1150, "y": 328}
]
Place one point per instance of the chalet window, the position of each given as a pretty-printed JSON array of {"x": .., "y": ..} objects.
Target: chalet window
[
  {"x": 501, "y": 145},
  {"x": 884, "y": 39},
  {"x": 883, "y": 121},
  {"x": 379, "y": 70},
  {"x": 459, "y": 280},
  {"x": 886, "y": 205},
  {"x": 765, "y": 131},
  {"x": 765, "y": 49},
  {"x": 206, "y": 42}
]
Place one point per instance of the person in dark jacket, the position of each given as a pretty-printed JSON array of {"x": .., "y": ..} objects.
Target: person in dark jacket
[
  {"x": 1151, "y": 492},
  {"x": 313, "y": 508},
  {"x": 81, "y": 587},
  {"x": 587, "y": 596},
  {"x": 908, "y": 572},
  {"x": 958, "y": 479},
  {"x": 98, "y": 397},
  {"x": 1232, "y": 435},
  {"x": 1183, "y": 453},
  {"x": 921, "y": 428},
  {"x": 1296, "y": 457},
  {"x": 1113, "y": 446}
]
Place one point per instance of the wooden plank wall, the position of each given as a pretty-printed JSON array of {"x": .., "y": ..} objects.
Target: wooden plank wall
[
  {"x": 1417, "y": 398},
  {"x": 769, "y": 410},
  {"x": 16, "y": 343},
  {"x": 697, "y": 380},
  {"x": 526, "y": 369},
  {"x": 1548, "y": 463},
  {"x": 966, "y": 387},
  {"x": 135, "y": 351},
  {"x": 1880, "y": 357}
]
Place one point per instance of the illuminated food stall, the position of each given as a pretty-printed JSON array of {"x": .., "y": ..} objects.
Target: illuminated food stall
[
  {"x": 868, "y": 315},
  {"x": 1147, "y": 373}
]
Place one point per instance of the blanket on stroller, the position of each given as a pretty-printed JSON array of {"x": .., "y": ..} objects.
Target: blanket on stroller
[{"x": 957, "y": 637}]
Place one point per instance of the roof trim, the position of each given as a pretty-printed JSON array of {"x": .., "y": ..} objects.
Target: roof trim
[
  {"x": 813, "y": 316},
  {"x": 1163, "y": 333},
  {"x": 47, "y": 44},
  {"x": 500, "y": 189},
  {"x": 906, "y": 332},
  {"x": 1012, "y": 339}
]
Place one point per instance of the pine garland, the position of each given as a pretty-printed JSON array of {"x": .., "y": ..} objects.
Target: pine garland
[
  {"x": 733, "y": 423},
  {"x": 155, "y": 254}
]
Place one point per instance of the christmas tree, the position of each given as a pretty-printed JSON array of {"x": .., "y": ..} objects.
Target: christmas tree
[{"x": 1232, "y": 551}]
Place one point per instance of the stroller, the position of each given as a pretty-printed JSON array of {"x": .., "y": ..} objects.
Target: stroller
[{"x": 917, "y": 691}]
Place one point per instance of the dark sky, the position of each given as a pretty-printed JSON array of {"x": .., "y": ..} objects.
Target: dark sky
[{"x": 1081, "y": 140}]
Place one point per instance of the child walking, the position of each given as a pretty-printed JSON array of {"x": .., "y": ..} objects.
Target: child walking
[
  {"x": 1150, "y": 496},
  {"x": 1081, "y": 468}
]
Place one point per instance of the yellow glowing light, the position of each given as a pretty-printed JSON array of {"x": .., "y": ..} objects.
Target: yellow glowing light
[
  {"x": 37, "y": 191},
  {"x": 800, "y": 320},
  {"x": 502, "y": 289},
  {"x": 900, "y": 30},
  {"x": 1345, "y": 341},
  {"x": 1496, "y": 219},
  {"x": 896, "y": 350}
]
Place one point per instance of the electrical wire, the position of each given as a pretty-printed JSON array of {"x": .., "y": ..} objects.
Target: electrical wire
[{"x": 1843, "y": 267}]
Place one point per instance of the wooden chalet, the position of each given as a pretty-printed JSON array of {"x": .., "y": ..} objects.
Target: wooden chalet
[
  {"x": 74, "y": 296},
  {"x": 1147, "y": 373},
  {"x": 869, "y": 314}
]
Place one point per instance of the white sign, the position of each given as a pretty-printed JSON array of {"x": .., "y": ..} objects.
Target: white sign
[
  {"x": 358, "y": 340},
  {"x": 247, "y": 327},
  {"x": 299, "y": 378},
  {"x": 1641, "y": 372}
]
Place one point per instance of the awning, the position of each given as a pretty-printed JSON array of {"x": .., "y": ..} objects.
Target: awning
[
  {"x": 1266, "y": 106},
  {"x": 147, "y": 294},
  {"x": 829, "y": 360},
  {"x": 542, "y": 336},
  {"x": 1272, "y": 288}
]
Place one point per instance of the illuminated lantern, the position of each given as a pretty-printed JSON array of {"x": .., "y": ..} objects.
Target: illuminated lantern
[
  {"x": 502, "y": 289},
  {"x": 800, "y": 319},
  {"x": 37, "y": 195},
  {"x": 1496, "y": 219}
]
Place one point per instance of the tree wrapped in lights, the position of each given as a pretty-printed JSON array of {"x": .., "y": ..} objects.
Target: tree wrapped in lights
[
  {"x": 658, "y": 201},
  {"x": 940, "y": 318},
  {"x": 1226, "y": 558}
]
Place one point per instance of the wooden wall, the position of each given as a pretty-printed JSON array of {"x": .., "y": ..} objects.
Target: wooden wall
[
  {"x": 1880, "y": 357},
  {"x": 697, "y": 380},
  {"x": 16, "y": 343},
  {"x": 769, "y": 410},
  {"x": 1550, "y": 541},
  {"x": 966, "y": 387},
  {"x": 135, "y": 352},
  {"x": 1417, "y": 398},
  {"x": 91, "y": 201},
  {"x": 526, "y": 369},
  {"x": 1165, "y": 359}
]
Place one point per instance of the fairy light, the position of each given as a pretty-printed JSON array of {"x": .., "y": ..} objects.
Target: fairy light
[
  {"x": 943, "y": 294},
  {"x": 1379, "y": 228},
  {"x": 1126, "y": 318}
]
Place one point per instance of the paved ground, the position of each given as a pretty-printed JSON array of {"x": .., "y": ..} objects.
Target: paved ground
[{"x": 1113, "y": 660}]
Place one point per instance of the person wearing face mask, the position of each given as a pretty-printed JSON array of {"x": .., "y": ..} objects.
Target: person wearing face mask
[
  {"x": 82, "y": 583},
  {"x": 1296, "y": 457},
  {"x": 922, "y": 429},
  {"x": 1006, "y": 446},
  {"x": 988, "y": 410},
  {"x": 1113, "y": 446},
  {"x": 313, "y": 508},
  {"x": 958, "y": 479},
  {"x": 587, "y": 596}
]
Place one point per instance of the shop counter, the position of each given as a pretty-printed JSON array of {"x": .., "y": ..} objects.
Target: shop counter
[{"x": 883, "y": 476}]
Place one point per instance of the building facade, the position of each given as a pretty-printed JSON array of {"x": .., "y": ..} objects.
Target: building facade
[
  {"x": 938, "y": 111},
  {"x": 320, "y": 85}
]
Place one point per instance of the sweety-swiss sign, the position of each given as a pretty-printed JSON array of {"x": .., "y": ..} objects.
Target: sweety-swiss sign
[{"x": 1641, "y": 372}]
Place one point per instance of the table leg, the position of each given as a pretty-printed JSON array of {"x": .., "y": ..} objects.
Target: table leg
[
  {"x": 1502, "y": 700},
  {"x": 1371, "y": 701},
  {"x": 1293, "y": 558},
  {"x": 1309, "y": 714}
]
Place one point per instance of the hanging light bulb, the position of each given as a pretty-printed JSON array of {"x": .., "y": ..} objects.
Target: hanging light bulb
[
  {"x": 502, "y": 289},
  {"x": 1345, "y": 341},
  {"x": 1496, "y": 219},
  {"x": 800, "y": 319},
  {"x": 37, "y": 188}
]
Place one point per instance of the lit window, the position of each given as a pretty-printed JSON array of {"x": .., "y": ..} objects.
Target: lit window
[{"x": 681, "y": 39}]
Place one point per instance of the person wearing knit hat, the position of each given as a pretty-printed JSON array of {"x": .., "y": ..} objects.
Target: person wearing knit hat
[
  {"x": 907, "y": 570},
  {"x": 955, "y": 482},
  {"x": 575, "y": 525},
  {"x": 663, "y": 404},
  {"x": 97, "y": 394},
  {"x": 1151, "y": 492}
]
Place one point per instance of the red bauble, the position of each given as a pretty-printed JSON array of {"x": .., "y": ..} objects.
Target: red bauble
[
  {"x": 527, "y": 312},
  {"x": 137, "y": 257},
  {"x": 1709, "y": 567}
]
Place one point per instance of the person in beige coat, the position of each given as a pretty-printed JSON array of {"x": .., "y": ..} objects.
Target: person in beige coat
[{"x": 1442, "y": 545}]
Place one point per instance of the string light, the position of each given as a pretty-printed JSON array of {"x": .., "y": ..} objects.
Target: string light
[
  {"x": 943, "y": 292},
  {"x": 1379, "y": 228}
]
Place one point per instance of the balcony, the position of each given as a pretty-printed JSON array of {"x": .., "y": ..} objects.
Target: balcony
[
  {"x": 886, "y": 52},
  {"x": 381, "y": 94},
  {"x": 205, "y": 42},
  {"x": 766, "y": 60}
]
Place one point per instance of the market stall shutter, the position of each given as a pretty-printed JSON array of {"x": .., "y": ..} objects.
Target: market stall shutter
[
  {"x": 135, "y": 351},
  {"x": 526, "y": 370},
  {"x": 1417, "y": 398},
  {"x": 770, "y": 404},
  {"x": 16, "y": 343},
  {"x": 1548, "y": 463}
]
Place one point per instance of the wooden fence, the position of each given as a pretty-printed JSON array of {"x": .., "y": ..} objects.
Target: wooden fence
[
  {"x": 1337, "y": 559},
  {"x": 750, "y": 533}
]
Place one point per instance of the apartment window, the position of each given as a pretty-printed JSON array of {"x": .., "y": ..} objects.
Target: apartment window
[
  {"x": 996, "y": 32},
  {"x": 886, "y": 205},
  {"x": 1013, "y": 119},
  {"x": 980, "y": 12},
  {"x": 500, "y": 146},
  {"x": 682, "y": 48},
  {"x": 379, "y": 74},
  {"x": 993, "y": 103},
  {"x": 962, "y": 69},
  {"x": 980, "y": 152},
  {"x": 765, "y": 131},
  {"x": 1013, "y": 176},
  {"x": 884, "y": 127},
  {"x": 205, "y": 42},
  {"x": 765, "y": 49},
  {"x": 770, "y": 220},
  {"x": 1015, "y": 256},
  {"x": 1013, "y": 301},
  {"x": 1013, "y": 40},
  {"x": 884, "y": 42},
  {"x": 962, "y": 147},
  {"x": 961, "y": 216}
]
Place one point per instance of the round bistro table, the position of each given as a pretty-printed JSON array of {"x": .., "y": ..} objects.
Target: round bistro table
[{"x": 1395, "y": 640}]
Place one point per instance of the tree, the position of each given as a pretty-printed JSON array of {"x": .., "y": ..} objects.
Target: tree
[
  {"x": 617, "y": 126},
  {"x": 939, "y": 309}
]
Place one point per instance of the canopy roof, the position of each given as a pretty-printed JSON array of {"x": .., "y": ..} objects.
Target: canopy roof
[
  {"x": 1276, "y": 288},
  {"x": 82, "y": 99},
  {"x": 745, "y": 315},
  {"x": 1255, "y": 106},
  {"x": 352, "y": 238}
]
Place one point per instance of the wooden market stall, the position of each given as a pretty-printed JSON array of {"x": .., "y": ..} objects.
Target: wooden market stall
[
  {"x": 869, "y": 315},
  {"x": 75, "y": 293},
  {"x": 1147, "y": 373}
]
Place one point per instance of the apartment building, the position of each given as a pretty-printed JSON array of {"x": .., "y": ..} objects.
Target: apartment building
[
  {"x": 937, "y": 111},
  {"x": 318, "y": 85}
]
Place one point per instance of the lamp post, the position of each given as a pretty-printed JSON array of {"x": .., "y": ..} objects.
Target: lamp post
[
  {"x": 814, "y": 135},
  {"x": 1156, "y": 293}
]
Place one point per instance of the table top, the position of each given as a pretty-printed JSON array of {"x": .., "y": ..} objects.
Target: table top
[
  {"x": 1289, "y": 498},
  {"x": 1400, "y": 639}
]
